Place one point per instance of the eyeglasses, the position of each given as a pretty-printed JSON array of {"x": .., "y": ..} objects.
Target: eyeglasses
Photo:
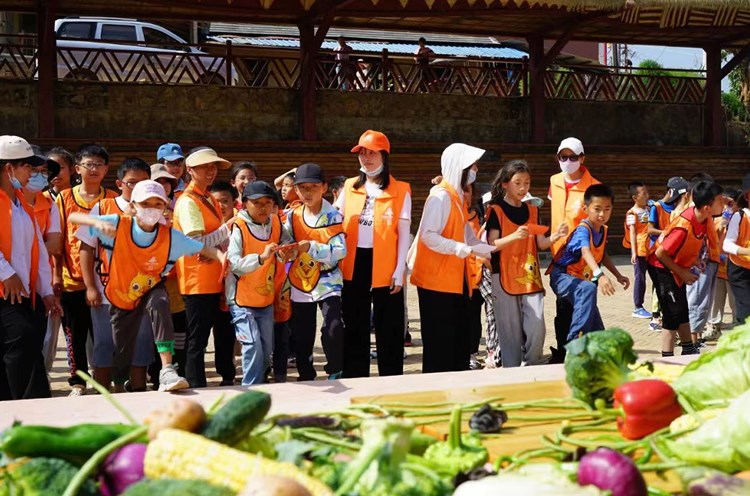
[
  {"x": 93, "y": 165},
  {"x": 43, "y": 173},
  {"x": 565, "y": 158},
  {"x": 130, "y": 184}
]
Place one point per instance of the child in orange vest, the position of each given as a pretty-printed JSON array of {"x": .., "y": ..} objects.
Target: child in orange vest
[
  {"x": 723, "y": 292},
  {"x": 516, "y": 282},
  {"x": 143, "y": 250},
  {"x": 243, "y": 173},
  {"x": 737, "y": 245},
  {"x": 255, "y": 239},
  {"x": 636, "y": 240},
  {"x": 577, "y": 266},
  {"x": 315, "y": 275},
  {"x": 680, "y": 248},
  {"x": 476, "y": 300},
  {"x": 92, "y": 164}
]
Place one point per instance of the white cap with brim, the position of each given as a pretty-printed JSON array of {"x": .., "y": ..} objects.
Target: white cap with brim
[
  {"x": 148, "y": 189},
  {"x": 17, "y": 148},
  {"x": 206, "y": 156},
  {"x": 159, "y": 171},
  {"x": 572, "y": 144}
]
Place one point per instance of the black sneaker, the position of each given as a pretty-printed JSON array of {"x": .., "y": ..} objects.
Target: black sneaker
[{"x": 407, "y": 339}]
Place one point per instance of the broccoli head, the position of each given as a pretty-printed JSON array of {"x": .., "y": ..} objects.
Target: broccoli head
[
  {"x": 597, "y": 362},
  {"x": 41, "y": 477}
]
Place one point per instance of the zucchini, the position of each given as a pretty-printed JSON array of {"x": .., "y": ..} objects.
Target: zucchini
[{"x": 238, "y": 417}]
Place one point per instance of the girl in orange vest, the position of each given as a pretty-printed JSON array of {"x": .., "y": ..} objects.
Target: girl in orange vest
[
  {"x": 516, "y": 282},
  {"x": 723, "y": 291},
  {"x": 440, "y": 268},
  {"x": 377, "y": 216},
  {"x": 243, "y": 173},
  {"x": 737, "y": 245},
  {"x": 476, "y": 300},
  {"x": 201, "y": 281},
  {"x": 142, "y": 252},
  {"x": 25, "y": 279}
]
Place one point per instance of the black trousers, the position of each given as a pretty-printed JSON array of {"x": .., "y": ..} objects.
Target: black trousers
[
  {"x": 281, "y": 334},
  {"x": 446, "y": 335},
  {"x": 224, "y": 338},
  {"x": 563, "y": 320},
  {"x": 388, "y": 320},
  {"x": 22, "y": 371},
  {"x": 77, "y": 328},
  {"x": 475, "y": 319},
  {"x": 739, "y": 278},
  {"x": 202, "y": 312},
  {"x": 304, "y": 326}
]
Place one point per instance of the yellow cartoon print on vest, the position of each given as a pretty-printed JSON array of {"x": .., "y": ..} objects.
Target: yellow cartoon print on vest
[
  {"x": 531, "y": 274},
  {"x": 285, "y": 301},
  {"x": 139, "y": 286},
  {"x": 304, "y": 273},
  {"x": 266, "y": 288}
]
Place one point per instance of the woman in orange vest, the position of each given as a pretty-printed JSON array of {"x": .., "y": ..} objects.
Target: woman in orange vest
[
  {"x": 737, "y": 245},
  {"x": 201, "y": 281},
  {"x": 440, "y": 268},
  {"x": 377, "y": 215},
  {"x": 25, "y": 279},
  {"x": 516, "y": 281}
]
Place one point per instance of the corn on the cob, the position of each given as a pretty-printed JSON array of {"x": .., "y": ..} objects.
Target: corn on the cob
[
  {"x": 667, "y": 372},
  {"x": 176, "y": 454}
]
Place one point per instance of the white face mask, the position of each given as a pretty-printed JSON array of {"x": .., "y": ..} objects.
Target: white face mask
[
  {"x": 374, "y": 173},
  {"x": 570, "y": 166},
  {"x": 149, "y": 216},
  {"x": 471, "y": 176},
  {"x": 36, "y": 183}
]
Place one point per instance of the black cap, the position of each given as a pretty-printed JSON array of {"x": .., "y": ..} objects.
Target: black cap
[
  {"x": 309, "y": 173},
  {"x": 53, "y": 168},
  {"x": 258, "y": 189},
  {"x": 678, "y": 186}
]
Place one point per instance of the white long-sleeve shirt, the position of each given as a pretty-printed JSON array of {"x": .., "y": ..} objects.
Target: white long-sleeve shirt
[
  {"x": 733, "y": 230},
  {"x": 23, "y": 227}
]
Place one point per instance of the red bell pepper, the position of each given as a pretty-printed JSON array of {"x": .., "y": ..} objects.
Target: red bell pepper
[{"x": 647, "y": 406}]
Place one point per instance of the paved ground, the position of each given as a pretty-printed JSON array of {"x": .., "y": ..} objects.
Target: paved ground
[{"x": 615, "y": 312}]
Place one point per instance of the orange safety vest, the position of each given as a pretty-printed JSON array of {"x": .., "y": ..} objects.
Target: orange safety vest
[
  {"x": 135, "y": 270},
  {"x": 304, "y": 273},
  {"x": 567, "y": 204},
  {"x": 107, "y": 206},
  {"x": 282, "y": 303},
  {"x": 387, "y": 210},
  {"x": 712, "y": 241},
  {"x": 72, "y": 245},
  {"x": 475, "y": 263},
  {"x": 519, "y": 261},
  {"x": 581, "y": 269},
  {"x": 687, "y": 254},
  {"x": 437, "y": 271},
  {"x": 42, "y": 209},
  {"x": 743, "y": 239},
  {"x": 194, "y": 276},
  {"x": 641, "y": 232},
  {"x": 256, "y": 289},
  {"x": 6, "y": 240}
]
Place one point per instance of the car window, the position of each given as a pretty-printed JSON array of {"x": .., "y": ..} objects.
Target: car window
[
  {"x": 162, "y": 40},
  {"x": 118, "y": 32},
  {"x": 76, "y": 30}
]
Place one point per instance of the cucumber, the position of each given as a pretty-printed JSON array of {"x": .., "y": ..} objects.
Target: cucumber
[{"x": 237, "y": 418}]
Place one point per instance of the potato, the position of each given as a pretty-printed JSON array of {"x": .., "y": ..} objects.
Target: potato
[
  {"x": 273, "y": 486},
  {"x": 183, "y": 414}
]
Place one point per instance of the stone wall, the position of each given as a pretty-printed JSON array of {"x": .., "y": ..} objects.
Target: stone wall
[{"x": 100, "y": 111}]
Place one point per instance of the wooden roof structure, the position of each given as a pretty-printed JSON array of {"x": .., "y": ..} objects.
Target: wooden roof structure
[{"x": 724, "y": 23}]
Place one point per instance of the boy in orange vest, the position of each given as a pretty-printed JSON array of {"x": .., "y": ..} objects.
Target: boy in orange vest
[
  {"x": 315, "y": 277},
  {"x": 142, "y": 252},
  {"x": 92, "y": 164},
  {"x": 636, "y": 240},
  {"x": 250, "y": 292},
  {"x": 576, "y": 267},
  {"x": 680, "y": 249}
]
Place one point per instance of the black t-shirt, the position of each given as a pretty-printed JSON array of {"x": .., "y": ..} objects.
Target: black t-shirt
[{"x": 517, "y": 215}]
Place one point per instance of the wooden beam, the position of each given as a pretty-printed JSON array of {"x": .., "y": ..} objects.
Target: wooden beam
[
  {"x": 536, "y": 83},
  {"x": 735, "y": 61},
  {"x": 47, "y": 67},
  {"x": 310, "y": 41},
  {"x": 713, "y": 117}
]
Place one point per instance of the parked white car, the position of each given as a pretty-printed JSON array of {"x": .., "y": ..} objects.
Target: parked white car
[{"x": 128, "y": 50}]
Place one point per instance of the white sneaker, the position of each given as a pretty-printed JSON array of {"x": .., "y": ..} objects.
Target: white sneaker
[
  {"x": 78, "y": 390},
  {"x": 169, "y": 380}
]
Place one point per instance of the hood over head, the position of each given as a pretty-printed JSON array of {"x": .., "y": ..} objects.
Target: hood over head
[{"x": 455, "y": 159}]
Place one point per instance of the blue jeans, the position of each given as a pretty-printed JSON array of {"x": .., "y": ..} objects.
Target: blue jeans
[
  {"x": 582, "y": 295},
  {"x": 254, "y": 330}
]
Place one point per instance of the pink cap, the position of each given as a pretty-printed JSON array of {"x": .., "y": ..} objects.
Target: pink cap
[{"x": 148, "y": 189}]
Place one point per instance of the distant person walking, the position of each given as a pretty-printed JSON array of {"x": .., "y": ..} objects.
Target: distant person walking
[
  {"x": 343, "y": 64},
  {"x": 423, "y": 56}
]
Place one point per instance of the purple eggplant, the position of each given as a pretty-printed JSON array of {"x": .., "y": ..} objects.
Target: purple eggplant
[
  {"x": 612, "y": 471},
  {"x": 122, "y": 468}
]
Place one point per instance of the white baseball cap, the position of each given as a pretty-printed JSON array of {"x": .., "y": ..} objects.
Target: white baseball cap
[
  {"x": 148, "y": 189},
  {"x": 206, "y": 156},
  {"x": 17, "y": 148},
  {"x": 572, "y": 144}
]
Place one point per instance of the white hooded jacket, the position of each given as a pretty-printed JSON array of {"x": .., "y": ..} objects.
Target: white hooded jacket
[{"x": 454, "y": 160}]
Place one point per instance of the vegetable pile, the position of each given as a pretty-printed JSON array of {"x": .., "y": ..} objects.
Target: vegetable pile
[{"x": 625, "y": 427}]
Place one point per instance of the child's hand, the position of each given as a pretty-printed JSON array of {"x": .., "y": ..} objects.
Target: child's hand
[
  {"x": 624, "y": 281},
  {"x": 268, "y": 251},
  {"x": 687, "y": 276},
  {"x": 106, "y": 228},
  {"x": 606, "y": 286},
  {"x": 521, "y": 233},
  {"x": 221, "y": 257},
  {"x": 437, "y": 180},
  {"x": 562, "y": 230},
  {"x": 633, "y": 259},
  {"x": 303, "y": 246}
]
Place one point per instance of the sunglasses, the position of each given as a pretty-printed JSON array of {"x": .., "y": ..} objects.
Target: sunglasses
[{"x": 565, "y": 158}]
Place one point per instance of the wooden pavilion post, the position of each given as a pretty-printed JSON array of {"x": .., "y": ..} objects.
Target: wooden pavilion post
[
  {"x": 712, "y": 111},
  {"x": 536, "y": 83},
  {"x": 47, "y": 67},
  {"x": 310, "y": 41}
]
